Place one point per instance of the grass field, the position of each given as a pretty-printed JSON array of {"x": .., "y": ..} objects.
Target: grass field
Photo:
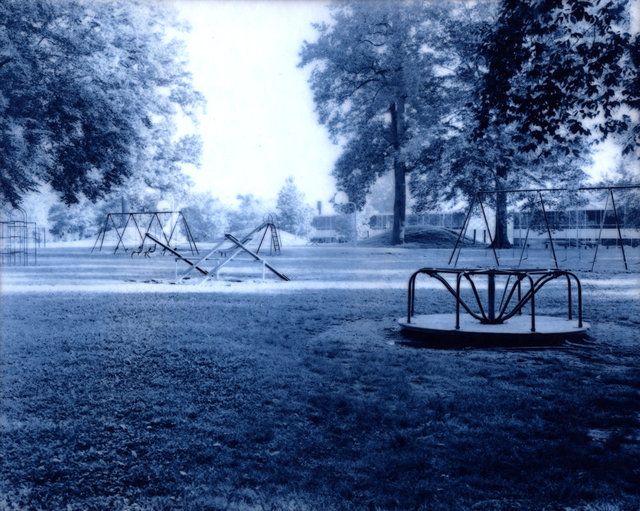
[{"x": 123, "y": 391}]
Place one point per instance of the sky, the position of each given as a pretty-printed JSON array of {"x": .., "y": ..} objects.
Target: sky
[{"x": 260, "y": 126}]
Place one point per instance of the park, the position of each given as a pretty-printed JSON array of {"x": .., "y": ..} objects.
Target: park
[
  {"x": 122, "y": 390},
  {"x": 455, "y": 325}
]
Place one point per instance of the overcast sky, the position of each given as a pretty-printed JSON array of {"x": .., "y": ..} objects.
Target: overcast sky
[{"x": 260, "y": 125}]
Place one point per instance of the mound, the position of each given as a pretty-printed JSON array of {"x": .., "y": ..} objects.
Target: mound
[
  {"x": 289, "y": 240},
  {"x": 424, "y": 237}
]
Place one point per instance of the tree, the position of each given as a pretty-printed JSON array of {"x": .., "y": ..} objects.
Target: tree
[
  {"x": 452, "y": 169},
  {"x": 379, "y": 89},
  {"x": 88, "y": 95},
  {"x": 294, "y": 215},
  {"x": 72, "y": 223},
  {"x": 207, "y": 217},
  {"x": 379, "y": 200},
  {"x": 547, "y": 70},
  {"x": 625, "y": 173},
  {"x": 558, "y": 74},
  {"x": 249, "y": 213}
]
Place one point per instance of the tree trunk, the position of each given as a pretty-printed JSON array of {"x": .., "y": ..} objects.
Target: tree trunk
[
  {"x": 399, "y": 202},
  {"x": 399, "y": 173},
  {"x": 501, "y": 237}
]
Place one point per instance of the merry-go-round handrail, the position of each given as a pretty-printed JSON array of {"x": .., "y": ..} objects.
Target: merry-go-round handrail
[{"x": 535, "y": 277}]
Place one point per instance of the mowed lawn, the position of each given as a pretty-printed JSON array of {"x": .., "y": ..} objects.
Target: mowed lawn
[{"x": 118, "y": 393}]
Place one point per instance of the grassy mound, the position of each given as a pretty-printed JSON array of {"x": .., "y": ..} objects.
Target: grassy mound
[{"x": 424, "y": 237}]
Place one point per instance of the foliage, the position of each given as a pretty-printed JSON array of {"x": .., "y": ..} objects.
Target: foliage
[
  {"x": 451, "y": 167},
  {"x": 248, "y": 214},
  {"x": 379, "y": 198},
  {"x": 206, "y": 216},
  {"x": 294, "y": 215},
  {"x": 379, "y": 89},
  {"x": 36, "y": 206},
  {"x": 626, "y": 173},
  {"x": 547, "y": 70},
  {"x": 88, "y": 95},
  {"x": 75, "y": 222},
  {"x": 552, "y": 66},
  {"x": 84, "y": 219}
]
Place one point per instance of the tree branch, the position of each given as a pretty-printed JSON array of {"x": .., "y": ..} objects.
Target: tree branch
[
  {"x": 375, "y": 96},
  {"x": 371, "y": 42}
]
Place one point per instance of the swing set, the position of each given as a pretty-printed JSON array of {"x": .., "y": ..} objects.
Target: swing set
[
  {"x": 539, "y": 193},
  {"x": 131, "y": 229}
]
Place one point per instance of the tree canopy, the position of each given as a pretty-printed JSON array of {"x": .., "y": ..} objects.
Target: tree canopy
[
  {"x": 380, "y": 89},
  {"x": 88, "y": 95},
  {"x": 559, "y": 75},
  {"x": 555, "y": 77},
  {"x": 559, "y": 71},
  {"x": 294, "y": 214}
]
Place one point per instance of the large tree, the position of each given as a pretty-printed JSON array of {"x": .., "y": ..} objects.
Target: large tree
[
  {"x": 542, "y": 79},
  {"x": 88, "y": 95},
  {"x": 557, "y": 75},
  {"x": 380, "y": 89}
]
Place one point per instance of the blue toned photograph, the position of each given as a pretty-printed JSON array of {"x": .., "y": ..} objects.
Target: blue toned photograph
[{"x": 264, "y": 255}]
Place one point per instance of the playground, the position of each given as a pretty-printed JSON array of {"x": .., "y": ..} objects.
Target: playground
[{"x": 123, "y": 389}]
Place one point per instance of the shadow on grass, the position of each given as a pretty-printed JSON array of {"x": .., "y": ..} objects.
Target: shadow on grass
[{"x": 299, "y": 401}]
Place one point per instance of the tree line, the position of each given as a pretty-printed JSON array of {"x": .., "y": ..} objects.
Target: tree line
[
  {"x": 451, "y": 98},
  {"x": 208, "y": 218},
  {"x": 89, "y": 93},
  {"x": 446, "y": 97}
]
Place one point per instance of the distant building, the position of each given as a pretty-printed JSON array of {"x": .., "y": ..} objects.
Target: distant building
[
  {"x": 331, "y": 228},
  {"x": 446, "y": 220},
  {"x": 576, "y": 227},
  {"x": 571, "y": 227}
]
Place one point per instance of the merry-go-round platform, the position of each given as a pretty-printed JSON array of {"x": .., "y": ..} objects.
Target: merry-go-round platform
[{"x": 514, "y": 320}]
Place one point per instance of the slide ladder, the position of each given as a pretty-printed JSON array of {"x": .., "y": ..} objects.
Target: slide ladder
[{"x": 275, "y": 240}]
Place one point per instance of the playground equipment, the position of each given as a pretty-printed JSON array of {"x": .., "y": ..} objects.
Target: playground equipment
[
  {"x": 18, "y": 239},
  {"x": 484, "y": 322},
  {"x": 227, "y": 250},
  {"x": 502, "y": 319},
  {"x": 546, "y": 216},
  {"x": 132, "y": 227}
]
